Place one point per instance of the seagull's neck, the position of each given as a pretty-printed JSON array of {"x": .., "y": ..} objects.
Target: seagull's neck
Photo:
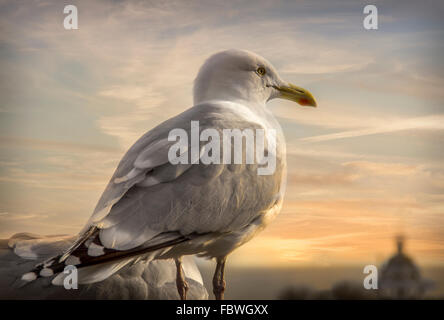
[
  {"x": 226, "y": 91},
  {"x": 255, "y": 106}
]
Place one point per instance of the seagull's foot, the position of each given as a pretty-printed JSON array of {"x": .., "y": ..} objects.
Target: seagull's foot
[
  {"x": 218, "y": 279},
  {"x": 219, "y": 289},
  {"x": 182, "y": 285},
  {"x": 182, "y": 288}
]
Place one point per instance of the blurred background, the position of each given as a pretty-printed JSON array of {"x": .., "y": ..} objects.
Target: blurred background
[
  {"x": 399, "y": 276},
  {"x": 364, "y": 167}
]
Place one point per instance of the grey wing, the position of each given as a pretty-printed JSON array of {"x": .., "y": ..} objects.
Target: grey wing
[{"x": 148, "y": 196}]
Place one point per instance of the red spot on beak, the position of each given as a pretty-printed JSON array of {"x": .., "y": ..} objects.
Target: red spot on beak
[{"x": 304, "y": 102}]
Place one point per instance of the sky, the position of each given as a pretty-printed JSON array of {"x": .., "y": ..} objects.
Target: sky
[{"x": 364, "y": 166}]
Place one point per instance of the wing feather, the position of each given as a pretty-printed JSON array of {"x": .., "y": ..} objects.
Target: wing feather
[{"x": 148, "y": 195}]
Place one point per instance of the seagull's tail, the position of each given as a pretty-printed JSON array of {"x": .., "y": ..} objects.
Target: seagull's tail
[{"x": 95, "y": 263}]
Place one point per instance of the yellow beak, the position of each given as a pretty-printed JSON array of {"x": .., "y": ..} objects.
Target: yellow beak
[{"x": 296, "y": 94}]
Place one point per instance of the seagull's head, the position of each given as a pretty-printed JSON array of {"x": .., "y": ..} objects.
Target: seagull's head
[{"x": 245, "y": 76}]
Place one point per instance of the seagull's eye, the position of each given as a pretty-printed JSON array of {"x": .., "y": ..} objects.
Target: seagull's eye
[{"x": 261, "y": 71}]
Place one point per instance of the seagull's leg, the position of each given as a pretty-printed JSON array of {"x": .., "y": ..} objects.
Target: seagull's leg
[
  {"x": 182, "y": 285},
  {"x": 218, "y": 279}
]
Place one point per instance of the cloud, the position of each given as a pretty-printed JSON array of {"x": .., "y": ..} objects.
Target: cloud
[
  {"x": 8, "y": 216},
  {"x": 31, "y": 143},
  {"x": 384, "y": 169},
  {"x": 329, "y": 179},
  {"x": 67, "y": 171},
  {"x": 139, "y": 103},
  {"x": 435, "y": 122}
]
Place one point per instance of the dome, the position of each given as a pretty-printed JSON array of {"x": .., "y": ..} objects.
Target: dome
[{"x": 400, "y": 277}]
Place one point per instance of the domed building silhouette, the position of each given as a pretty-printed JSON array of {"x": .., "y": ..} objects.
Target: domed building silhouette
[{"x": 400, "y": 277}]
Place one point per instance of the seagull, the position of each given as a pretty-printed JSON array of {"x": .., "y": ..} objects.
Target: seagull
[{"x": 154, "y": 209}]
